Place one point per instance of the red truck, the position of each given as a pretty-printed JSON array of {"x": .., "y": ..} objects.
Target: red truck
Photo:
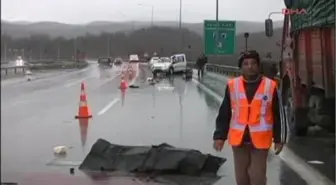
[
  {"x": 81, "y": 57},
  {"x": 307, "y": 66}
]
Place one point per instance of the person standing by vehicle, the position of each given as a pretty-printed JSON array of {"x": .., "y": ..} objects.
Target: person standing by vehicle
[
  {"x": 251, "y": 118},
  {"x": 201, "y": 61}
]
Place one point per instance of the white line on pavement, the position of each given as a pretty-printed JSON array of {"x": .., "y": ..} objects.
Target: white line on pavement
[
  {"x": 108, "y": 80},
  {"x": 215, "y": 95},
  {"x": 77, "y": 81},
  {"x": 310, "y": 175},
  {"x": 108, "y": 106}
]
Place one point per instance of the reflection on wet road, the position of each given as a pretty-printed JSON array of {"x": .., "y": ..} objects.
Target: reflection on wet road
[{"x": 38, "y": 116}]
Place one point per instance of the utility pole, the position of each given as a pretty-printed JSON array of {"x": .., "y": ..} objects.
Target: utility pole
[
  {"x": 246, "y": 36},
  {"x": 5, "y": 53},
  {"x": 152, "y": 16},
  {"x": 41, "y": 54},
  {"x": 58, "y": 53},
  {"x": 23, "y": 53},
  {"x": 180, "y": 25},
  {"x": 217, "y": 4},
  {"x": 75, "y": 49},
  {"x": 5, "y": 46},
  {"x": 180, "y": 17},
  {"x": 217, "y": 12},
  {"x": 108, "y": 46}
]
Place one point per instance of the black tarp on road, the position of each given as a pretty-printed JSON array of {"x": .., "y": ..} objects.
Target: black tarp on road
[{"x": 181, "y": 166}]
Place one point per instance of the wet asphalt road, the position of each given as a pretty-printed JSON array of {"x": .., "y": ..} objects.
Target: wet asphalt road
[{"x": 38, "y": 115}]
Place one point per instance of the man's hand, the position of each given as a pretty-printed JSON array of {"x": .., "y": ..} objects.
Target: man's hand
[
  {"x": 278, "y": 148},
  {"x": 218, "y": 144}
]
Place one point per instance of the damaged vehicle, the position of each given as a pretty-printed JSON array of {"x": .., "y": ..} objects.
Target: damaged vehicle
[{"x": 162, "y": 66}]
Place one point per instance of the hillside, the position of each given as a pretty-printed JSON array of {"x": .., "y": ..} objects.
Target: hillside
[
  {"x": 150, "y": 40},
  {"x": 55, "y": 29}
]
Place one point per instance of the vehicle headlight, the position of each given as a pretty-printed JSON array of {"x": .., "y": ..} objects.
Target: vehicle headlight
[{"x": 166, "y": 66}]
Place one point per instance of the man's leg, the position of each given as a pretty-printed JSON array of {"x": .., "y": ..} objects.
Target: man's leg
[
  {"x": 241, "y": 157},
  {"x": 202, "y": 71},
  {"x": 258, "y": 167}
]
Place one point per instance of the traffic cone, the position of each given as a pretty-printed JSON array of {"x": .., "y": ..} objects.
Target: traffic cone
[
  {"x": 84, "y": 110},
  {"x": 123, "y": 83}
]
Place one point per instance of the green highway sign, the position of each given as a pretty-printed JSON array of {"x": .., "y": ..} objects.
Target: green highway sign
[{"x": 219, "y": 37}]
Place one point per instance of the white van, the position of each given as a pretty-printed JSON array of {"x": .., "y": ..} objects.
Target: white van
[{"x": 179, "y": 63}]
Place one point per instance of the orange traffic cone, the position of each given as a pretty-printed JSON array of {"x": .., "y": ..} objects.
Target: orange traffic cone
[
  {"x": 123, "y": 83},
  {"x": 84, "y": 111}
]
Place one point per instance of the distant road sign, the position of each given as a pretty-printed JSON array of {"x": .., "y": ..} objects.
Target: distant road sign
[{"x": 219, "y": 37}]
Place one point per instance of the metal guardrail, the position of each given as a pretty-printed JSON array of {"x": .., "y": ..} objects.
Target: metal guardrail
[
  {"x": 223, "y": 69},
  {"x": 218, "y": 69},
  {"x": 16, "y": 70},
  {"x": 7, "y": 69}
]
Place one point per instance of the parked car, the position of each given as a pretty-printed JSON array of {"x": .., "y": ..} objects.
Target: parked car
[
  {"x": 105, "y": 62},
  {"x": 118, "y": 61},
  {"x": 153, "y": 60},
  {"x": 133, "y": 58}
]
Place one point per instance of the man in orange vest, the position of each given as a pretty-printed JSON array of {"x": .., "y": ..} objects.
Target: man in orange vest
[{"x": 251, "y": 118}]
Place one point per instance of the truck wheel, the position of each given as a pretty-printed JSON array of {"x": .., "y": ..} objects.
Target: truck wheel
[
  {"x": 297, "y": 117},
  {"x": 319, "y": 112},
  {"x": 154, "y": 74},
  {"x": 301, "y": 122}
]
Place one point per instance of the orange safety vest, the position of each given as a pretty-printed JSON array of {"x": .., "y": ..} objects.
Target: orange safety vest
[{"x": 257, "y": 115}]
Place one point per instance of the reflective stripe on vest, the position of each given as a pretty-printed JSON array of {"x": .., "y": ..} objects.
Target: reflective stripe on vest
[{"x": 261, "y": 123}]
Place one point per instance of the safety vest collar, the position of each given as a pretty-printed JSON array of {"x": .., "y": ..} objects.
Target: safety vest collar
[{"x": 260, "y": 93}]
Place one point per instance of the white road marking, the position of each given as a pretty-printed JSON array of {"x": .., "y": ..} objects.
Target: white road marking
[
  {"x": 106, "y": 81},
  {"x": 77, "y": 81},
  {"x": 315, "y": 162},
  {"x": 20, "y": 102},
  {"x": 215, "y": 95},
  {"x": 108, "y": 106},
  {"x": 310, "y": 175}
]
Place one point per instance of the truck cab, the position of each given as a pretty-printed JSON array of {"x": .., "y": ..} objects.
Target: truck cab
[{"x": 307, "y": 66}]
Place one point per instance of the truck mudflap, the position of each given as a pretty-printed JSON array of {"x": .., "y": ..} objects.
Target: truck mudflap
[{"x": 159, "y": 163}]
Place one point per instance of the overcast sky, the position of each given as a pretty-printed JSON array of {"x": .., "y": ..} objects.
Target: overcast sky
[{"x": 83, "y": 11}]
